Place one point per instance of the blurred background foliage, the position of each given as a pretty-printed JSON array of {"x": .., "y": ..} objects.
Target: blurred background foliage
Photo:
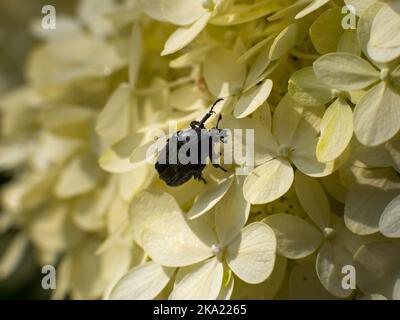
[{"x": 16, "y": 40}]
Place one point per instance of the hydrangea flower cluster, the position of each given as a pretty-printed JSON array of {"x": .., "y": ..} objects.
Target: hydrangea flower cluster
[{"x": 323, "y": 196}]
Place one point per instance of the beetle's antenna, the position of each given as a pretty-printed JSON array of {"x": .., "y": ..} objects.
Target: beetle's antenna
[
  {"x": 215, "y": 103},
  {"x": 208, "y": 114},
  {"x": 219, "y": 119}
]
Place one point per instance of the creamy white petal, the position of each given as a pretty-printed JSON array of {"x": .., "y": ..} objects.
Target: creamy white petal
[
  {"x": 313, "y": 199},
  {"x": 378, "y": 266},
  {"x": 184, "y": 35},
  {"x": 223, "y": 74},
  {"x": 232, "y": 212},
  {"x": 208, "y": 198},
  {"x": 12, "y": 256},
  {"x": 389, "y": 223},
  {"x": 376, "y": 115},
  {"x": 251, "y": 255},
  {"x": 345, "y": 71},
  {"x": 305, "y": 88},
  {"x": 268, "y": 182},
  {"x": 148, "y": 203},
  {"x": 336, "y": 131},
  {"x": 330, "y": 261},
  {"x": 364, "y": 206},
  {"x": 265, "y": 290},
  {"x": 182, "y": 12},
  {"x": 81, "y": 175},
  {"x": 252, "y": 99},
  {"x": 201, "y": 281},
  {"x": 296, "y": 238},
  {"x": 143, "y": 282},
  {"x": 172, "y": 240},
  {"x": 114, "y": 120}
]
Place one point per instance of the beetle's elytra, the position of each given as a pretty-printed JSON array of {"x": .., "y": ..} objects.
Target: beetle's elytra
[{"x": 176, "y": 173}]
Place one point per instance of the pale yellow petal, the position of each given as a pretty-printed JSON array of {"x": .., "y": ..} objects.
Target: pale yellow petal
[
  {"x": 202, "y": 281},
  {"x": 143, "y": 282},
  {"x": 336, "y": 131},
  {"x": 268, "y": 182},
  {"x": 182, "y": 12},
  {"x": 376, "y": 115},
  {"x": 330, "y": 261},
  {"x": 251, "y": 255},
  {"x": 172, "y": 240},
  {"x": 184, "y": 35},
  {"x": 389, "y": 223},
  {"x": 364, "y": 206},
  {"x": 208, "y": 198},
  {"x": 252, "y": 99},
  {"x": 232, "y": 212},
  {"x": 345, "y": 71},
  {"x": 296, "y": 238},
  {"x": 378, "y": 266},
  {"x": 223, "y": 74}
]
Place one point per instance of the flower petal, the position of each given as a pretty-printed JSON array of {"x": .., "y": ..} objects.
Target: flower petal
[
  {"x": 146, "y": 204},
  {"x": 376, "y": 115},
  {"x": 336, "y": 131},
  {"x": 283, "y": 42},
  {"x": 293, "y": 125},
  {"x": 383, "y": 32},
  {"x": 182, "y": 12},
  {"x": 364, "y": 206},
  {"x": 296, "y": 237},
  {"x": 251, "y": 255},
  {"x": 223, "y": 74},
  {"x": 345, "y": 71},
  {"x": 183, "y": 36},
  {"x": 136, "y": 52},
  {"x": 116, "y": 158},
  {"x": 232, "y": 212},
  {"x": 313, "y": 6},
  {"x": 113, "y": 120},
  {"x": 306, "y": 89},
  {"x": 143, "y": 282},
  {"x": 304, "y": 283},
  {"x": 252, "y": 99},
  {"x": 265, "y": 290},
  {"x": 78, "y": 177},
  {"x": 12, "y": 256},
  {"x": 330, "y": 261},
  {"x": 268, "y": 182},
  {"x": 305, "y": 159},
  {"x": 173, "y": 241},
  {"x": 326, "y": 31},
  {"x": 389, "y": 223},
  {"x": 378, "y": 266},
  {"x": 201, "y": 281},
  {"x": 313, "y": 199},
  {"x": 208, "y": 198}
]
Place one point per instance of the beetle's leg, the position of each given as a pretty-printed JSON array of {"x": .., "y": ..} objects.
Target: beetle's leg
[
  {"x": 213, "y": 156},
  {"x": 219, "y": 119},
  {"x": 200, "y": 177},
  {"x": 195, "y": 124},
  {"x": 216, "y": 165},
  {"x": 223, "y": 135}
]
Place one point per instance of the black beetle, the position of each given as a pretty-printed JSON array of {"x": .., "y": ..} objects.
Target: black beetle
[{"x": 176, "y": 173}]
